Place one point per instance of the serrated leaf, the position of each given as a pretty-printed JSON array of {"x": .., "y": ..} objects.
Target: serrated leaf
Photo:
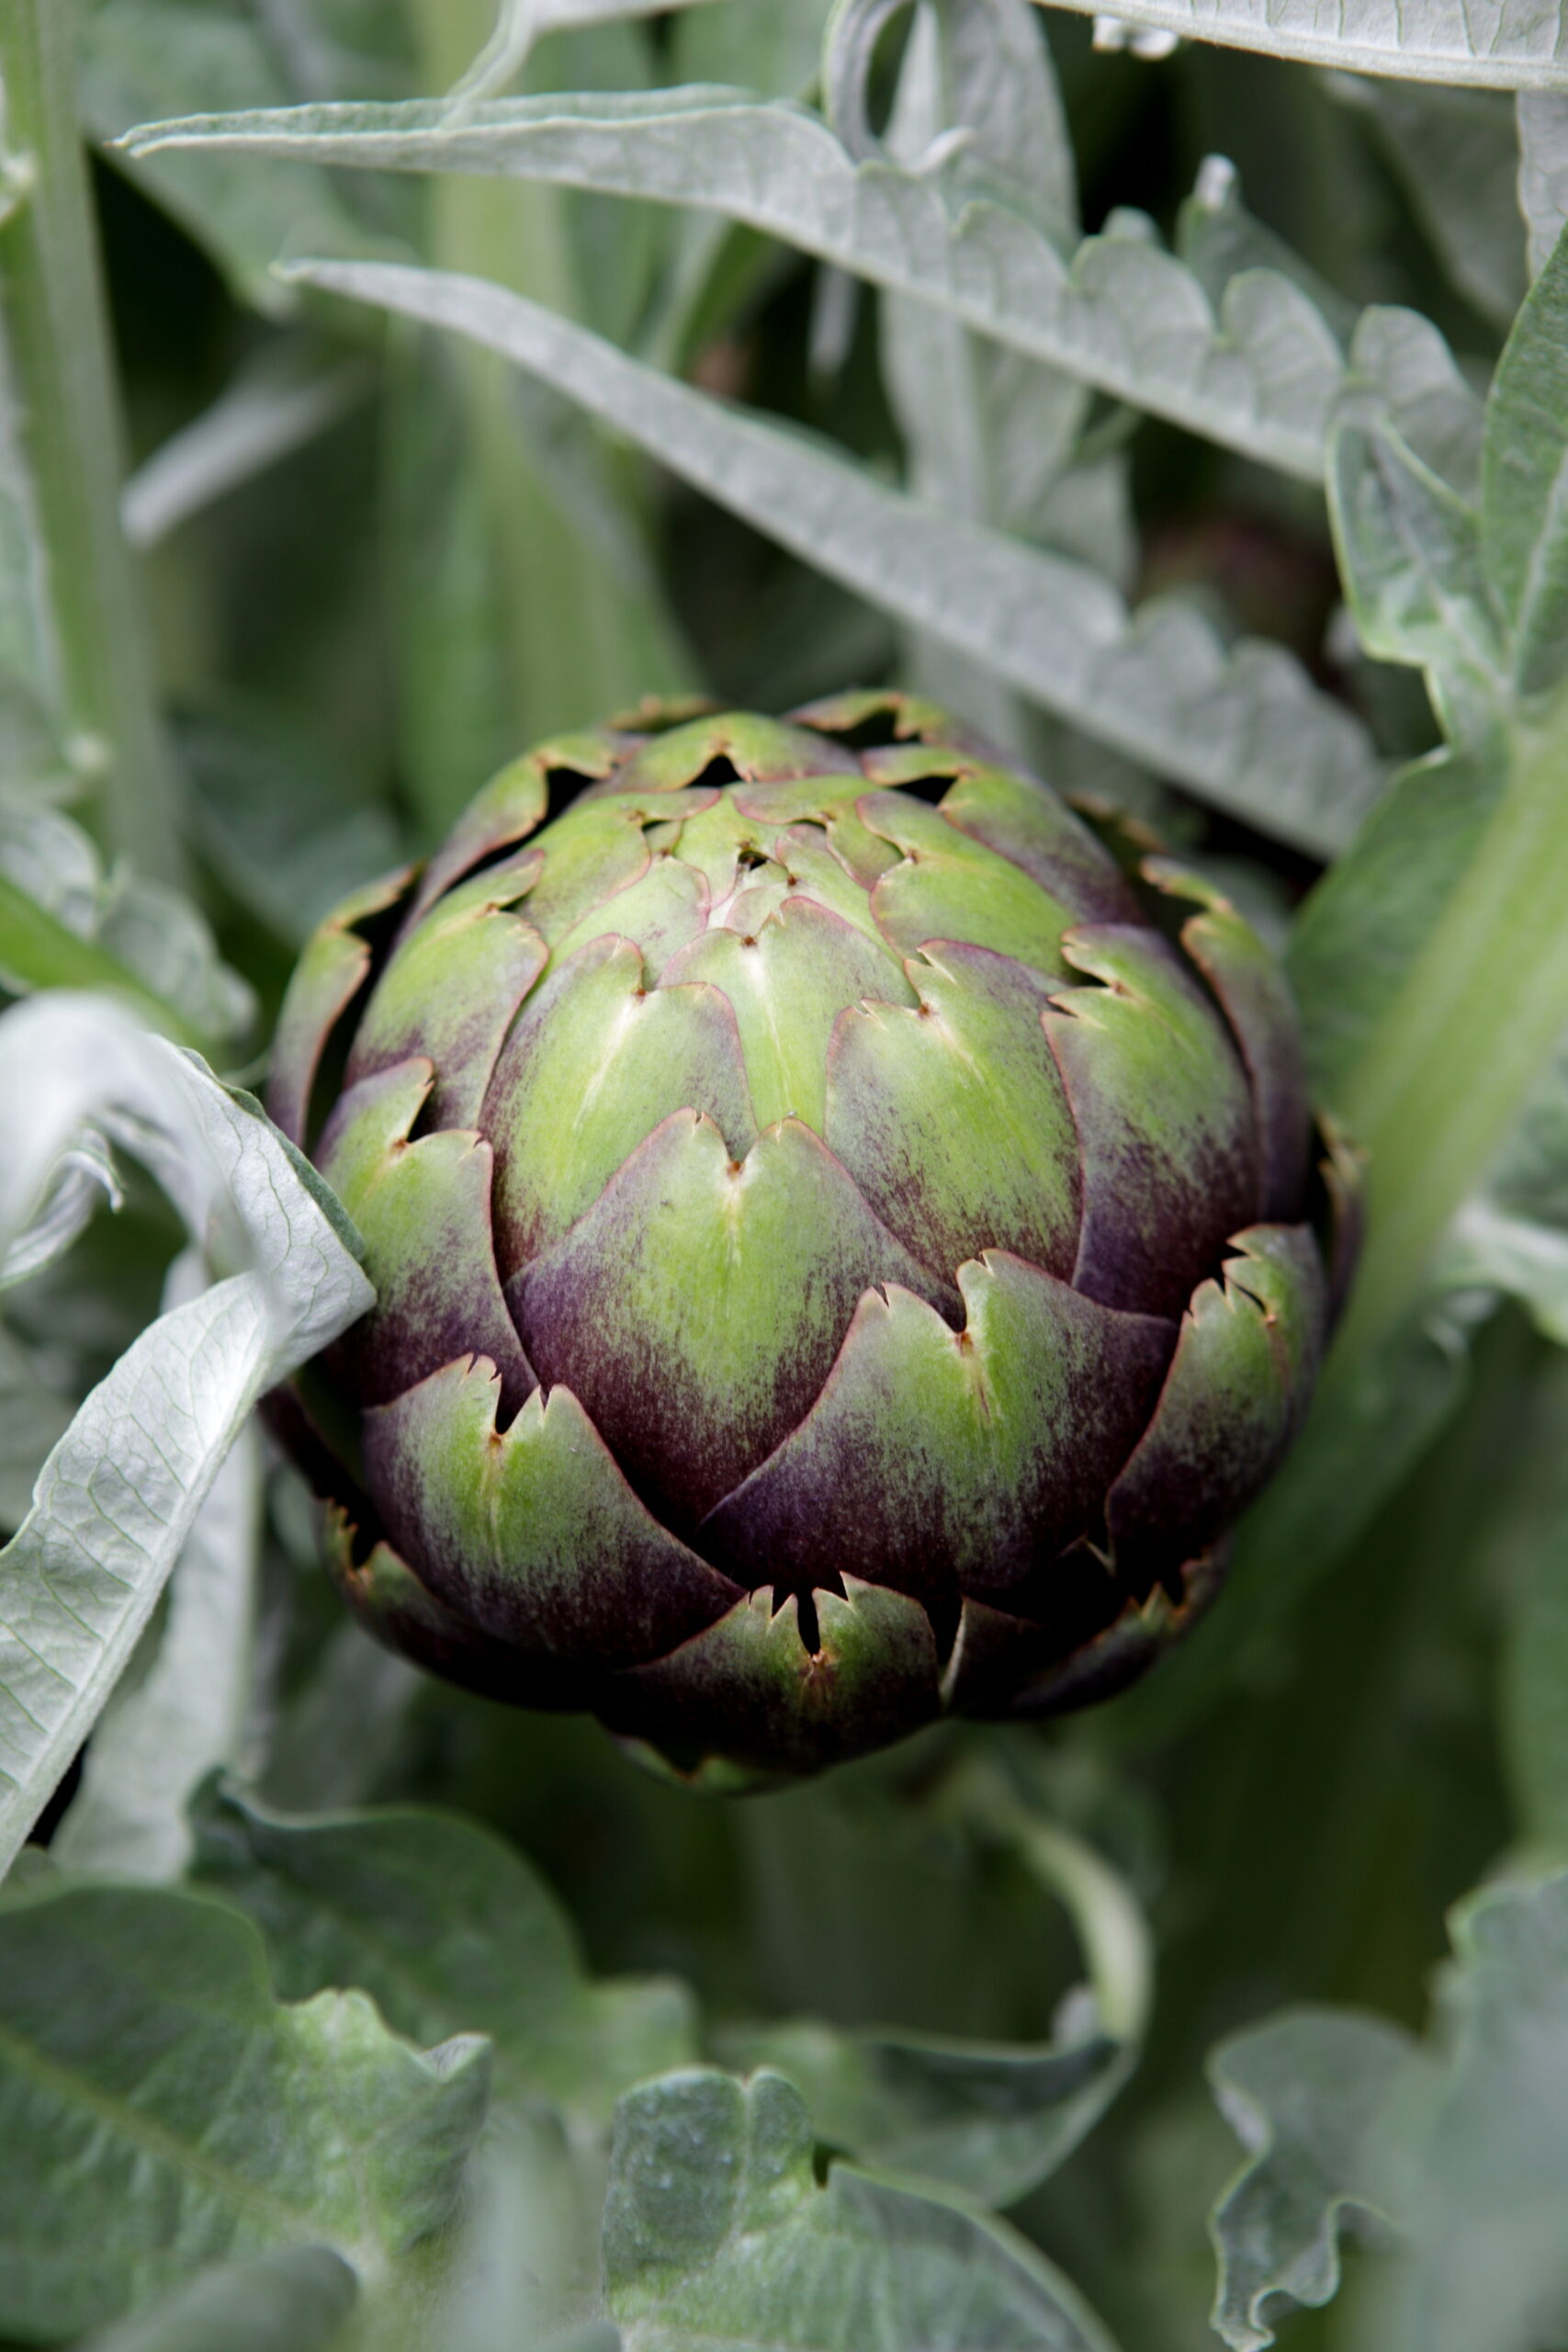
[
  {"x": 991, "y": 2120},
  {"x": 1265, "y": 377},
  {"x": 118, "y": 1496},
  {"x": 1245, "y": 730},
  {"x": 986, "y": 434},
  {"x": 1542, "y": 123},
  {"x": 293, "y": 2301},
  {"x": 715, "y": 2231},
  {"x": 1310, "y": 2095},
  {"x": 1523, "y": 481},
  {"x": 1509, "y": 45},
  {"x": 1488, "y": 2263},
  {"x": 1409, "y": 551},
  {"x": 449, "y": 1930},
  {"x": 159, "y": 2111}
]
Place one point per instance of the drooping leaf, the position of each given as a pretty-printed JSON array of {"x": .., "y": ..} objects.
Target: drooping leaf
[
  {"x": 1265, "y": 377},
  {"x": 715, "y": 2231},
  {"x": 1512, "y": 46},
  {"x": 1311, "y": 2095},
  {"x": 187, "y": 1715},
  {"x": 1243, "y": 729},
  {"x": 448, "y": 1931},
  {"x": 118, "y": 1496},
  {"x": 160, "y": 2111}
]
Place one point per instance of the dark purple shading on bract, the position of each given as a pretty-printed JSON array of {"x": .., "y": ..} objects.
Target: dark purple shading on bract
[{"x": 850, "y": 1237}]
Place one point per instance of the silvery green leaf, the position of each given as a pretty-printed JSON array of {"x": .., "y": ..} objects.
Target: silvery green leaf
[
  {"x": 716, "y": 2232},
  {"x": 520, "y": 23},
  {"x": 1524, "y": 485},
  {"x": 1510, "y": 44},
  {"x": 1409, "y": 551},
  {"x": 118, "y": 1496},
  {"x": 1543, "y": 117},
  {"x": 1266, "y": 376},
  {"x": 449, "y": 1930},
  {"x": 142, "y": 56},
  {"x": 1402, "y": 373},
  {"x": 273, "y": 405},
  {"x": 1243, "y": 728},
  {"x": 991, "y": 2121},
  {"x": 988, "y": 433},
  {"x": 295, "y": 2299},
  {"x": 161, "y": 944},
  {"x": 1218, "y": 237},
  {"x": 171, "y": 2112},
  {"x": 1487, "y": 2268},
  {"x": 1310, "y": 2095},
  {"x": 1455, "y": 150},
  {"x": 154, "y": 1744}
]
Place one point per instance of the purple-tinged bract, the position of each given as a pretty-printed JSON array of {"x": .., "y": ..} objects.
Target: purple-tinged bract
[{"x": 846, "y": 1235}]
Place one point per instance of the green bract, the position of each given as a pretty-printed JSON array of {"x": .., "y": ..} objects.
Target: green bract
[{"x": 845, "y": 1241}]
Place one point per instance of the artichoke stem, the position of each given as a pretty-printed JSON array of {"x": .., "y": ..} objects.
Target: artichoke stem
[{"x": 1451, "y": 1063}]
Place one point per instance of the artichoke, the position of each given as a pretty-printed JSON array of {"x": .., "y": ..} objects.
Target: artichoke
[{"x": 848, "y": 1235}]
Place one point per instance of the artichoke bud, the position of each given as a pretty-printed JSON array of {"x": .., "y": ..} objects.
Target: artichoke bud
[{"x": 847, "y": 1244}]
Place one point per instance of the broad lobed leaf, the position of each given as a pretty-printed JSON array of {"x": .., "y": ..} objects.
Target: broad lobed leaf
[
  {"x": 1265, "y": 375},
  {"x": 1244, "y": 730}
]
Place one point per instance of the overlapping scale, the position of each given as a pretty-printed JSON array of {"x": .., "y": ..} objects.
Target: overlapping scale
[
  {"x": 895, "y": 1217},
  {"x": 1164, "y": 1115},
  {"x": 696, "y": 1308},
  {"x": 595, "y": 1063},
  {"x": 952, "y": 1118},
  {"x": 424, "y": 1209},
  {"x": 934, "y": 1458},
  {"x": 531, "y": 1533}
]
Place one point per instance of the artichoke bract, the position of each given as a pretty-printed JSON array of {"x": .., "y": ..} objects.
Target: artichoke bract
[{"x": 848, "y": 1237}]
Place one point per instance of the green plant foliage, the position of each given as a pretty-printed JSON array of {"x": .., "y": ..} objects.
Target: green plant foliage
[
  {"x": 714, "y": 2223},
  {"x": 184, "y": 2115},
  {"x": 1180, "y": 398}
]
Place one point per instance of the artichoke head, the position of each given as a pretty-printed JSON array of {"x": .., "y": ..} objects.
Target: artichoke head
[{"x": 849, "y": 1237}]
